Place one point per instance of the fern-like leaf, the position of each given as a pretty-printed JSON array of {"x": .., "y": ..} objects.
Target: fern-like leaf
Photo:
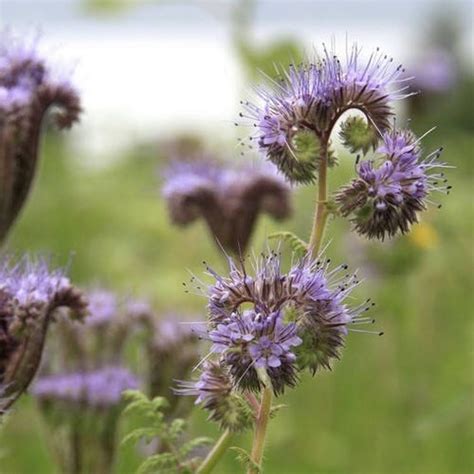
[
  {"x": 245, "y": 459},
  {"x": 299, "y": 246}
]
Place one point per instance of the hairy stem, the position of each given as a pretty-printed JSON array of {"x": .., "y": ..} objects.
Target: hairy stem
[
  {"x": 216, "y": 453},
  {"x": 261, "y": 428},
  {"x": 321, "y": 211}
]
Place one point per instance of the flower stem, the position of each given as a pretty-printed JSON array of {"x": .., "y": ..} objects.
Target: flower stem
[
  {"x": 216, "y": 453},
  {"x": 321, "y": 211},
  {"x": 261, "y": 428}
]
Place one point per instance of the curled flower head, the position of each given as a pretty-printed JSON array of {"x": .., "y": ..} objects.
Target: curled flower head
[
  {"x": 386, "y": 199},
  {"x": 96, "y": 389},
  {"x": 214, "y": 392},
  {"x": 230, "y": 199},
  {"x": 302, "y": 109},
  {"x": 279, "y": 323},
  {"x": 29, "y": 87},
  {"x": 30, "y": 293}
]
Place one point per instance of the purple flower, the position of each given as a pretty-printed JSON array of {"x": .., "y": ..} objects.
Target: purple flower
[
  {"x": 30, "y": 292},
  {"x": 436, "y": 71},
  {"x": 311, "y": 97},
  {"x": 97, "y": 389},
  {"x": 386, "y": 199},
  {"x": 297, "y": 319},
  {"x": 103, "y": 306},
  {"x": 213, "y": 384},
  {"x": 214, "y": 391},
  {"x": 251, "y": 341},
  {"x": 229, "y": 198},
  {"x": 28, "y": 89}
]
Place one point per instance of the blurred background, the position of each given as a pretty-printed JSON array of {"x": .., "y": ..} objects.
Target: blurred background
[{"x": 154, "y": 72}]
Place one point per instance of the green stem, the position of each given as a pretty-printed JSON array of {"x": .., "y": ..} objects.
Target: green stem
[
  {"x": 321, "y": 211},
  {"x": 261, "y": 428},
  {"x": 216, "y": 453}
]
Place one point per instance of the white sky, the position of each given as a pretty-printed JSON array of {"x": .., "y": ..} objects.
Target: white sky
[{"x": 170, "y": 66}]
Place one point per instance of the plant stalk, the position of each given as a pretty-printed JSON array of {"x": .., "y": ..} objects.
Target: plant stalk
[
  {"x": 321, "y": 212},
  {"x": 216, "y": 453},
  {"x": 261, "y": 428}
]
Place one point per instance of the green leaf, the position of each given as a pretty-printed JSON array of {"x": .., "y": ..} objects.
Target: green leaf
[
  {"x": 139, "y": 433},
  {"x": 299, "y": 246},
  {"x": 245, "y": 459},
  {"x": 163, "y": 463}
]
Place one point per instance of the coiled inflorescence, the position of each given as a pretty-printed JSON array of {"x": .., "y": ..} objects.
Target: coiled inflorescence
[
  {"x": 300, "y": 111},
  {"x": 230, "y": 198},
  {"x": 268, "y": 326},
  {"x": 30, "y": 293},
  {"x": 387, "y": 196},
  {"x": 28, "y": 88}
]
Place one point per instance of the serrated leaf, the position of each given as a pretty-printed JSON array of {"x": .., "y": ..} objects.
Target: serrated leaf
[
  {"x": 162, "y": 463},
  {"x": 246, "y": 460},
  {"x": 276, "y": 408},
  {"x": 140, "y": 433},
  {"x": 299, "y": 246}
]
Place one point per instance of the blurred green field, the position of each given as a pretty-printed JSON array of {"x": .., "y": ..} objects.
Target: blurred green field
[{"x": 401, "y": 403}]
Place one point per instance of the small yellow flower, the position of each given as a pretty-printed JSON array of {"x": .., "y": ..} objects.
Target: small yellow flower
[{"x": 424, "y": 236}]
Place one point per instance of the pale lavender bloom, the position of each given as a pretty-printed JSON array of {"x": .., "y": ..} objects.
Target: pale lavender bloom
[
  {"x": 32, "y": 282},
  {"x": 103, "y": 306},
  {"x": 97, "y": 389},
  {"x": 386, "y": 199},
  {"x": 435, "y": 71}
]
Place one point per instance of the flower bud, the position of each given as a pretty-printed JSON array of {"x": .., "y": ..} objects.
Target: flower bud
[{"x": 358, "y": 136}]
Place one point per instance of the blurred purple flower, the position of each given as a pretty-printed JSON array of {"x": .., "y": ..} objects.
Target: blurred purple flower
[
  {"x": 29, "y": 87},
  {"x": 30, "y": 292},
  {"x": 229, "y": 198},
  {"x": 435, "y": 72},
  {"x": 103, "y": 306},
  {"x": 97, "y": 389}
]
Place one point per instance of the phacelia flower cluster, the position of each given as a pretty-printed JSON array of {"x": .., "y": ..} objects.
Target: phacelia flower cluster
[
  {"x": 267, "y": 326},
  {"x": 229, "y": 198},
  {"x": 30, "y": 294},
  {"x": 387, "y": 196},
  {"x": 298, "y": 114},
  {"x": 29, "y": 87}
]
